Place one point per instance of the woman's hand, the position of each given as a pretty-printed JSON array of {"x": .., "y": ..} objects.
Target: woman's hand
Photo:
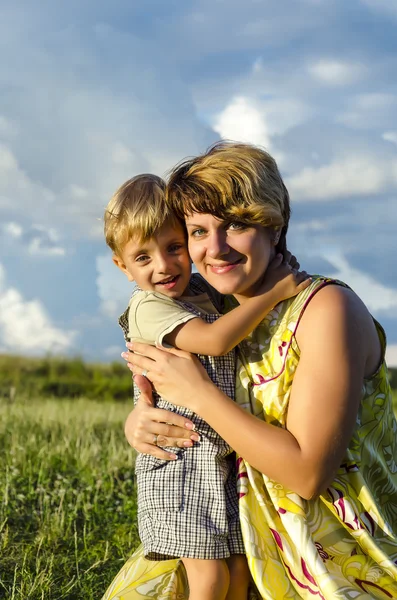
[
  {"x": 175, "y": 374},
  {"x": 147, "y": 428}
]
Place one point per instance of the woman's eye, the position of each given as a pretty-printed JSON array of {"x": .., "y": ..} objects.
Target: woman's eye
[
  {"x": 197, "y": 232},
  {"x": 235, "y": 225}
]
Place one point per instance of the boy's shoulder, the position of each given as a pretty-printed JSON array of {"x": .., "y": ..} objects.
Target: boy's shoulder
[
  {"x": 151, "y": 315},
  {"x": 141, "y": 296}
]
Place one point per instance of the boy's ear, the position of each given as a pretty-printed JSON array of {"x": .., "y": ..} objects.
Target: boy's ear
[{"x": 120, "y": 264}]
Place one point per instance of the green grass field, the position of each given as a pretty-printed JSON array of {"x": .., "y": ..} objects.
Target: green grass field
[{"x": 67, "y": 501}]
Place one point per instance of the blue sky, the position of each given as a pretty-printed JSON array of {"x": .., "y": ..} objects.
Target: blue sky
[{"x": 94, "y": 92}]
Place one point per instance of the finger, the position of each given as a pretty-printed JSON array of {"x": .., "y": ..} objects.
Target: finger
[
  {"x": 304, "y": 284},
  {"x": 154, "y": 353},
  {"x": 156, "y": 451},
  {"x": 165, "y": 432},
  {"x": 304, "y": 275},
  {"x": 169, "y": 423},
  {"x": 146, "y": 389},
  {"x": 171, "y": 442},
  {"x": 126, "y": 355},
  {"x": 141, "y": 363},
  {"x": 301, "y": 276},
  {"x": 287, "y": 256}
]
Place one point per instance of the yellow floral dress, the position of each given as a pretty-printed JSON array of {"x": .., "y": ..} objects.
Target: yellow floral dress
[{"x": 340, "y": 545}]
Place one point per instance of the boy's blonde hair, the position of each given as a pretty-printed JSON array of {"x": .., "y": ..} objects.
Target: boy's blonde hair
[
  {"x": 137, "y": 209},
  {"x": 231, "y": 181}
]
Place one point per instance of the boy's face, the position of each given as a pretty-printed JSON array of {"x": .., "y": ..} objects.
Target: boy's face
[{"x": 161, "y": 264}]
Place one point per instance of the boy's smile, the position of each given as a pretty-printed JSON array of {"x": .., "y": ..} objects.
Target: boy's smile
[{"x": 160, "y": 264}]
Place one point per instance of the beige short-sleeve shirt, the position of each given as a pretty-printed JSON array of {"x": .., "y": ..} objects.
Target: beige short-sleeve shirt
[{"x": 152, "y": 316}]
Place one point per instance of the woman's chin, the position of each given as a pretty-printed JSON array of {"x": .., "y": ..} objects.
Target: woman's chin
[{"x": 227, "y": 288}]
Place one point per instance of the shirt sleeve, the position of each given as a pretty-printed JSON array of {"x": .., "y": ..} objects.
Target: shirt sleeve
[{"x": 153, "y": 316}]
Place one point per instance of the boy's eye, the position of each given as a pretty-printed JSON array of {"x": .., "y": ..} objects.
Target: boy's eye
[
  {"x": 175, "y": 247},
  {"x": 142, "y": 258}
]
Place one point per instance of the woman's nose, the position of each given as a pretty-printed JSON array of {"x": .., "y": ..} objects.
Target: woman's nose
[{"x": 217, "y": 245}]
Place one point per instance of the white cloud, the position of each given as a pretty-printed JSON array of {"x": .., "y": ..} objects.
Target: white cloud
[
  {"x": 377, "y": 297},
  {"x": 369, "y": 111},
  {"x": 38, "y": 239},
  {"x": 390, "y": 136},
  {"x": 44, "y": 242},
  {"x": 37, "y": 246},
  {"x": 387, "y": 6},
  {"x": 26, "y": 327},
  {"x": 376, "y": 100},
  {"x": 391, "y": 355},
  {"x": 17, "y": 190},
  {"x": 312, "y": 225},
  {"x": 89, "y": 123},
  {"x": 7, "y": 127},
  {"x": 13, "y": 229},
  {"x": 113, "y": 288},
  {"x": 351, "y": 175},
  {"x": 334, "y": 72},
  {"x": 257, "y": 121},
  {"x": 242, "y": 121},
  {"x": 205, "y": 29}
]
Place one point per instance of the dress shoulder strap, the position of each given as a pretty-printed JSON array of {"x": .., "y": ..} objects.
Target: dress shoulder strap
[{"x": 295, "y": 308}]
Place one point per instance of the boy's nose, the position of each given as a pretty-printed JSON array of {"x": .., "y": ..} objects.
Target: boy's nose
[{"x": 161, "y": 264}]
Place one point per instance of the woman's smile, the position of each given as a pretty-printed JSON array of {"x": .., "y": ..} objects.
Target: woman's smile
[{"x": 219, "y": 269}]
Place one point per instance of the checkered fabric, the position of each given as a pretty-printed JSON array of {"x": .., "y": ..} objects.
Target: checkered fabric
[{"x": 189, "y": 507}]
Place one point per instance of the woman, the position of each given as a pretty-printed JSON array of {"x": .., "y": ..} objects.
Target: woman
[{"x": 318, "y": 448}]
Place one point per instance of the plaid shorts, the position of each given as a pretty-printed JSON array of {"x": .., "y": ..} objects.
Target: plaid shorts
[{"x": 189, "y": 507}]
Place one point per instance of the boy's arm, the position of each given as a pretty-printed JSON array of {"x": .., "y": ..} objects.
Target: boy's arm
[{"x": 218, "y": 338}]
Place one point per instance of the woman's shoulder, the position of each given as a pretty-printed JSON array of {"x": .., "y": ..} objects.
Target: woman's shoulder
[
  {"x": 330, "y": 296},
  {"x": 335, "y": 312}
]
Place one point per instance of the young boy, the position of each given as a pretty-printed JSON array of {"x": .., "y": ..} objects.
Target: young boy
[{"x": 188, "y": 507}]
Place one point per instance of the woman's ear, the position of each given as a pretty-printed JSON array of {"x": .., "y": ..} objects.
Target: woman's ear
[{"x": 276, "y": 237}]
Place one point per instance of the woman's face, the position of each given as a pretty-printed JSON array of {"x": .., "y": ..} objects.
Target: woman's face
[{"x": 230, "y": 255}]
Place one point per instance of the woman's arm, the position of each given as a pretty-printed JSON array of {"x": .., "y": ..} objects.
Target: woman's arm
[
  {"x": 339, "y": 347},
  {"x": 215, "y": 339}
]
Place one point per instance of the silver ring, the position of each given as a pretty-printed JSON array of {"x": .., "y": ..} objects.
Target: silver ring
[
  {"x": 144, "y": 373},
  {"x": 155, "y": 438}
]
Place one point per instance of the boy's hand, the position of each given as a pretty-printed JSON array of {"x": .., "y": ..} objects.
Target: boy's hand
[{"x": 283, "y": 278}]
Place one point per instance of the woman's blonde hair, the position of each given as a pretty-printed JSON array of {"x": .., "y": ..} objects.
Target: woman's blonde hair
[
  {"x": 137, "y": 209},
  {"x": 231, "y": 181}
]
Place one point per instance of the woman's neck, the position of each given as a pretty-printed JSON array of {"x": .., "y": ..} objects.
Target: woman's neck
[{"x": 250, "y": 292}]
